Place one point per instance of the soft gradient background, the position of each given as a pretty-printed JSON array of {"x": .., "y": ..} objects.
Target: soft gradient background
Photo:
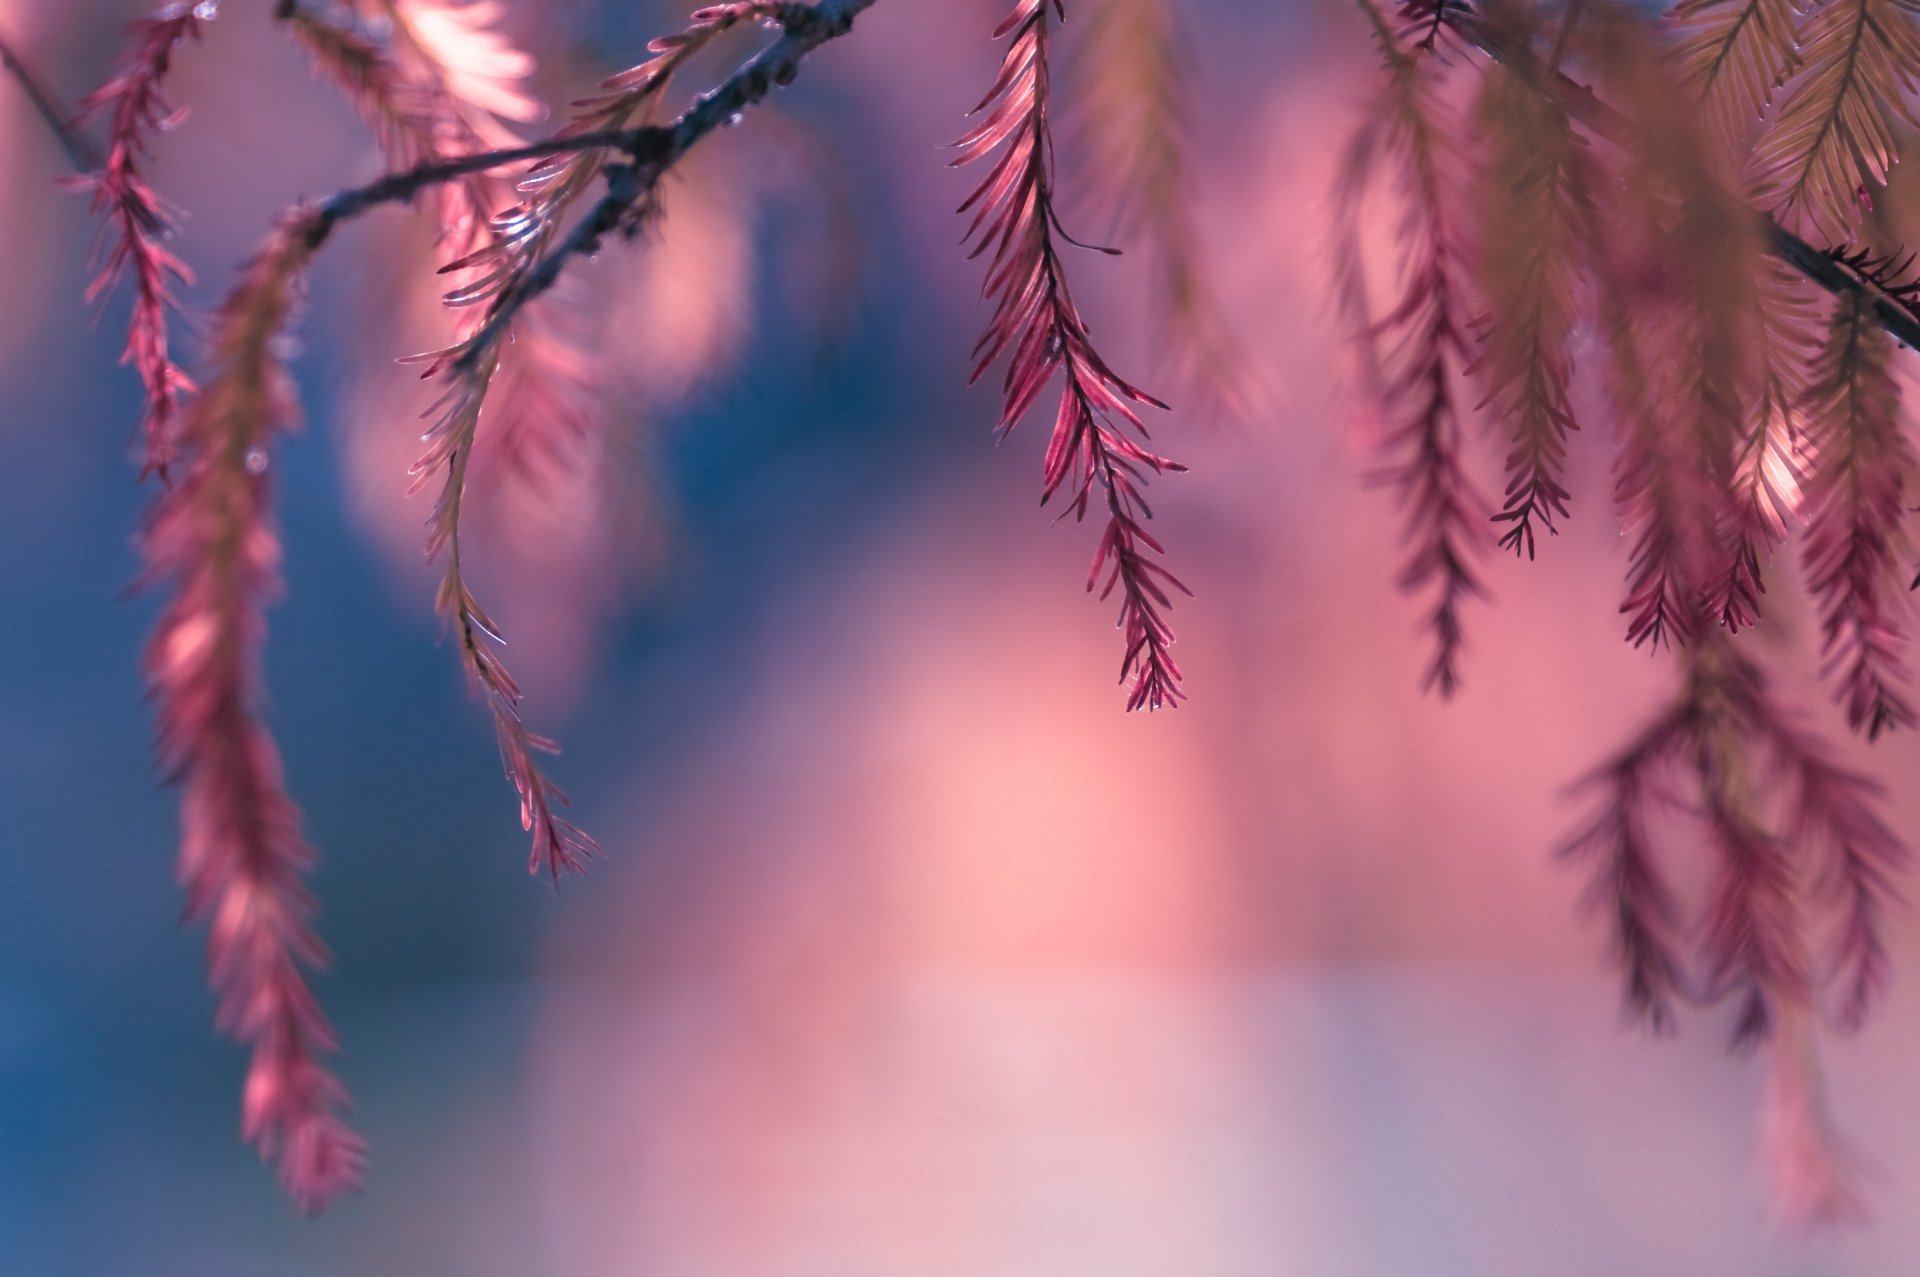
[{"x": 910, "y": 953}]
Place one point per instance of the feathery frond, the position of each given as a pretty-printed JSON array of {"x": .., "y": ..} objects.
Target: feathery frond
[
  {"x": 1626, "y": 884},
  {"x": 1861, "y": 471},
  {"x": 1769, "y": 471},
  {"x": 1533, "y": 197},
  {"x": 401, "y": 117},
  {"x": 1797, "y": 839},
  {"x": 1675, "y": 263},
  {"x": 1039, "y": 331},
  {"x": 1735, "y": 54},
  {"x": 212, "y": 537},
  {"x": 1754, "y": 941},
  {"x": 1832, "y": 142},
  {"x": 457, "y": 46},
  {"x": 417, "y": 118},
  {"x": 138, "y": 222},
  {"x": 558, "y": 844},
  {"x": 1134, "y": 113},
  {"x": 438, "y": 89},
  {"x": 1419, "y": 349},
  {"x": 1834, "y": 813}
]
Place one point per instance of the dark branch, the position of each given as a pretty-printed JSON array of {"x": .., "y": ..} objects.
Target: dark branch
[
  {"x": 402, "y": 186},
  {"x": 806, "y": 27},
  {"x": 650, "y": 151}
]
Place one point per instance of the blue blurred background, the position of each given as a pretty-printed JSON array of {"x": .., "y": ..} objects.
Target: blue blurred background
[{"x": 910, "y": 953}]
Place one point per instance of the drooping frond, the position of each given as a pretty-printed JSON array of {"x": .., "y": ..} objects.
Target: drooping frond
[
  {"x": 1675, "y": 262},
  {"x": 1735, "y": 54},
  {"x": 1657, "y": 489},
  {"x": 522, "y": 261},
  {"x": 1134, "y": 112},
  {"x": 417, "y": 117},
  {"x": 1769, "y": 472},
  {"x": 1755, "y": 942},
  {"x": 1037, "y": 328},
  {"x": 1418, "y": 350},
  {"x": 1862, "y": 470},
  {"x": 1533, "y": 198},
  {"x": 450, "y": 59},
  {"x": 212, "y": 537},
  {"x": 1800, "y": 851},
  {"x": 558, "y": 844},
  {"x": 1833, "y": 813},
  {"x": 132, "y": 241},
  {"x": 1625, "y": 882},
  {"x": 1832, "y": 142}
]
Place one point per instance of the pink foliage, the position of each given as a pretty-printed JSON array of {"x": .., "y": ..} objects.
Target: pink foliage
[
  {"x": 138, "y": 222},
  {"x": 211, "y": 536},
  {"x": 1040, "y": 332}
]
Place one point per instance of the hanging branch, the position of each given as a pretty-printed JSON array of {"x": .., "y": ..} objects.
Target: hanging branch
[
  {"x": 1674, "y": 266},
  {"x": 1856, "y": 505},
  {"x": 1135, "y": 113},
  {"x": 212, "y": 537},
  {"x": 1769, "y": 475},
  {"x": 1801, "y": 851},
  {"x": 1626, "y": 885},
  {"x": 1419, "y": 348},
  {"x": 1535, "y": 205},
  {"x": 137, "y": 222},
  {"x": 1037, "y": 327}
]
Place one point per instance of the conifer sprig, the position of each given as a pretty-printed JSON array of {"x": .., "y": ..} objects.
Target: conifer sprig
[
  {"x": 1038, "y": 330},
  {"x": 1135, "y": 110},
  {"x": 1420, "y": 348},
  {"x": 1534, "y": 200},
  {"x": 1735, "y": 55},
  {"x": 1856, "y": 547},
  {"x": 1802, "y": 850},
  {"x": 137, "y": 222},
  {"x": 1768, "y": 487},
  {"x": 211, "y": 537},
  {"x": 1832, "y": 142}
]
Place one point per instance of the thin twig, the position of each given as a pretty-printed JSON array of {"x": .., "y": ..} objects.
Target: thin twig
[
  {"x": 1580, "y": 104},
  {"x": 402, "y": 186},
  {"x": 806, "y": 28}
]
